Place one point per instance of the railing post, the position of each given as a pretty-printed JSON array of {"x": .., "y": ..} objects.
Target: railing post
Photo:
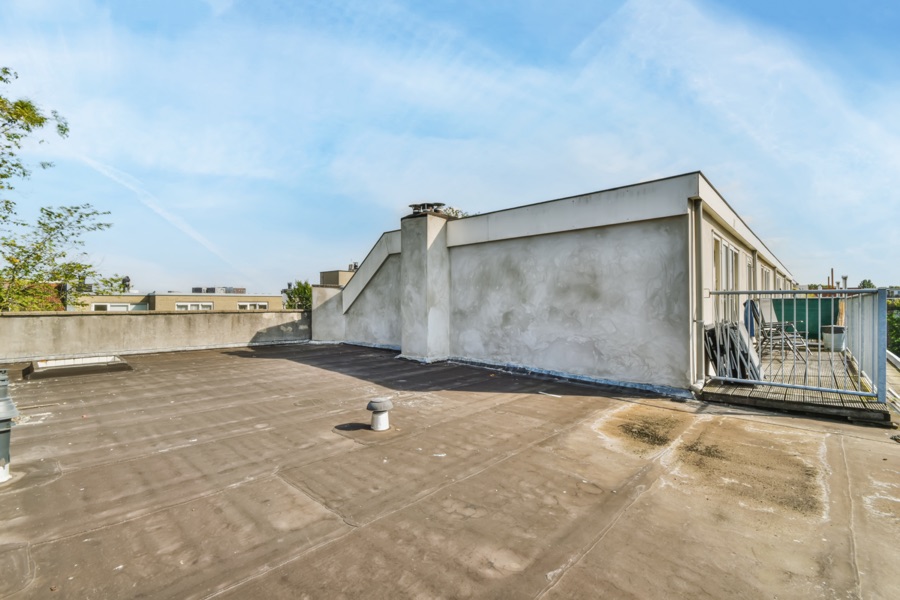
[
  {"x": 881, "y": 349},
  {"x": 699, "y": 308}
]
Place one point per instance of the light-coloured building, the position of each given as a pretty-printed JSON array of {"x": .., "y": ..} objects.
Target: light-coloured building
[
  {"x": 611, "y": 286},
  {"x": 336, "y": 277},
  {"x": 174, "y": 302}
]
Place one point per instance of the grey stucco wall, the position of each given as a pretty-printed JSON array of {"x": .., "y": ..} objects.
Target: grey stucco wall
[
  {"x": 375, "y": 316},
  {"x": 424, "y": 285},
  {"x": 327, "y": 314},
  {"x": 413, "y": 288},
  {"x": 30, "y": 336},
  {"x": 608, "y": 303},
  {"x": 437, "y": 289}
]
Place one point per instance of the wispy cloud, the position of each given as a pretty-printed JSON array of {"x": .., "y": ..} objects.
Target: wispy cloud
[
  {"x": 279, "y": 107},
  {"x": 219, "y": 7},
  {"x": 661, "y": 88},
  {"x": 150, "y": 201},
  {"x": 818, "y": 166}
]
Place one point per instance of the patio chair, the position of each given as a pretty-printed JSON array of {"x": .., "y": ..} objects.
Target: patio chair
[
  {"x": 776, "y": 334},
  {"x": 730, "y": 351}
]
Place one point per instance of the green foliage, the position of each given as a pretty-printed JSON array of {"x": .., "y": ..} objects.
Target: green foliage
[
  {"x": 18, "y": 119},
  {"x": 452, "y": 211},
  {"x": 893, "y": 326},
  {"x": 865, "y": 284},
  {"x": 39, "y": 261},
  {"x": 109, "y": 286},
  {"x": 814, "y": 286},
  {"x": 40, "y": 258},
  {"x": 894, "y": 332},
  {"x": 299, "y": 295}
]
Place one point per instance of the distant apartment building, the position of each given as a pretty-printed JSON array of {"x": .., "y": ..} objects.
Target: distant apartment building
[
  {"x": 339, "y": 277},
  {"x": 208, "y": 299}
]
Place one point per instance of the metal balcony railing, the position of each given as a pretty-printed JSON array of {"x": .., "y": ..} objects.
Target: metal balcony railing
[{"x": 830, "y": 342}]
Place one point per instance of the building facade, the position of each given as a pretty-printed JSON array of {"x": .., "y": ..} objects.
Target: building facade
[
  {"x": 611, "y": 286},
  {"x": 176, "y": 302}
]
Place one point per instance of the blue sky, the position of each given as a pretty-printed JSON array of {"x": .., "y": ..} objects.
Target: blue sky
[{"x": 248, "y": 143}]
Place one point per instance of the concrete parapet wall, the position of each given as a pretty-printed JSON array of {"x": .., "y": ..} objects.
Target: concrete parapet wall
[
  {"x": 32, "y": 336},
  {"x": 328, "y": 314}
]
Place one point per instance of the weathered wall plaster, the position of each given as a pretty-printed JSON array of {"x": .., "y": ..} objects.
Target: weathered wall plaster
[
  {"x": 609, "y": 302},
  {"x": 374, "y": 318},
  {"x": 328, "y": 321},
  {"x": 387, "y": 245},
  {"x": 424, "y": 288}
]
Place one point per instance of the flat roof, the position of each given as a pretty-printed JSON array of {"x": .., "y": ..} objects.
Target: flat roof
[{"x": 251, "y": 473}]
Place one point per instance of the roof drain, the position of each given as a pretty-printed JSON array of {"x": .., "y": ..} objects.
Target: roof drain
[
  {"x": 7, "y": 413},
  {"x": 380, "y": 408}
]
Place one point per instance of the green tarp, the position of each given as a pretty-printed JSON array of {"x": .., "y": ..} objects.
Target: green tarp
[{"x": 807, "y": 314}]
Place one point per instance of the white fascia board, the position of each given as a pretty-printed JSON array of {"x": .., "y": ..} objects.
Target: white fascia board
[
  {"x": 725, "y": 216},
  {"x": 640, "y": 202},
  {"x": 387, "y": 244}
]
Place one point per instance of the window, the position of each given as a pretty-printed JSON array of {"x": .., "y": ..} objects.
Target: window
[
  {"x": 725, "y": 265},
  {"x": 766, "y": 279},
  {"x": 193, "y": 306},
  {"x": 253, "y": 306},
  {"x": 732, "y": 255},
  {"x": 717, "y": 264},
  {"x": 116, "y": 307},
  {"x": 749, "y": 285}
]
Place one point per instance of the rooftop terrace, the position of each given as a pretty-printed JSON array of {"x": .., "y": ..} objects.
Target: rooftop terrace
[{"x": 251, "y": 473}]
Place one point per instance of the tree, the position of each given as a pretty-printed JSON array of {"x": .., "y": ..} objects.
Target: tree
[
  {"x": 19, "y": 119},
  {"x": 865, "y": 284},
  {"x": 452, "y": 211},
  {"x": 40, "y": 260},
  {"x": 299, "y": 295},
  {"x": 893, "y": 326}
]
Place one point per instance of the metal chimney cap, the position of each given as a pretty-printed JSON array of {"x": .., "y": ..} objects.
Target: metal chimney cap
[{"x": 425, "y": 207}]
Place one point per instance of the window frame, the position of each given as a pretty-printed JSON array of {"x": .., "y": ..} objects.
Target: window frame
[
  {"x": 256, "y": 305},
  {"x": 119, "y": 307},
  {"x": 190, "y": 306},
  {"x": 726, "y": 265}
]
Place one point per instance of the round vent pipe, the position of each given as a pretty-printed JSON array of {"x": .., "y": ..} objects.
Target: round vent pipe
[
  {"x": 7, "y": 413},
  {"x": 380, "y": 408}
]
